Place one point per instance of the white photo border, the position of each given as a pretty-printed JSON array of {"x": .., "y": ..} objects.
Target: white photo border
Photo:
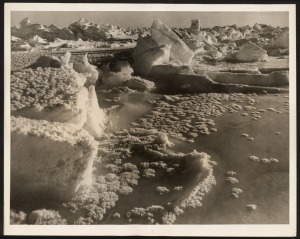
[{"x": 154, "y": 230}]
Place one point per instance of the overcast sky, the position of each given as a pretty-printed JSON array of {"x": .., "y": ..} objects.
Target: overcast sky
[{"x": 145, "y": 19}]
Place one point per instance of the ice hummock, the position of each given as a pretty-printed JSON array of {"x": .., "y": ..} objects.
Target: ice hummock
[
  {"x": 87, "y": 69},
  {"x": 51, "y": 155}
]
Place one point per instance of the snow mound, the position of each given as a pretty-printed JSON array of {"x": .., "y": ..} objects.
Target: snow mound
[
  {"x": 162, "y": 139},
  {"x": 15, "y": 39},
  {"x": 45, "y": 217},
  {"x": 46, "y": 61},
  {"x": 20, "y": 47},
  {"x": 17, "y": 218},
  {"x": 36, "y": 40}
]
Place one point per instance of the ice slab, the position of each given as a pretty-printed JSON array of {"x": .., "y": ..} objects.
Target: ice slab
[
  {"x": 276, "y": 78},
  {"x": 53, "y": 94},
  {"x": 50, "y": 155},
  {"x": 153, "y": 56},
  {"x": 162, "y": 34}
]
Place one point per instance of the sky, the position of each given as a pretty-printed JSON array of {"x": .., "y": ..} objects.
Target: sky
[{"x": 145, "y": 19}]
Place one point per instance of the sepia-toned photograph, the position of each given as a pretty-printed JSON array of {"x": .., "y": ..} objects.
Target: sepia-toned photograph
[{"x": 153, "y": 115}]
